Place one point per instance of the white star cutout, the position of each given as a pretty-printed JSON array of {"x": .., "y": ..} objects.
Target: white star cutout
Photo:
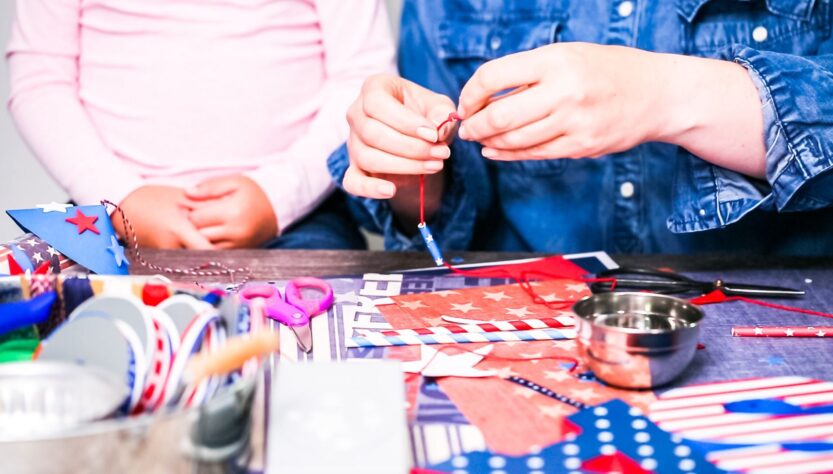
[
  {"x": 32, "y": 242},
  {"x": 759, "y": 331},
  {"x": 820, "y": 333},
  {"x": 576, "y": 287},
  {"x": 463, "y": 308},
  {"x": 789, "y": 332},
  {"x": 412, "y": 304},
  {"x": 434, "y": 363},
  {"x": 495, "y": 296},
  {"x": 51, "y": 251},
  {"x": 37, "y": 257},
  {"x": 54, "y": 207},
  {"x": 557, "y": 375},
  {"x": 518, "y": 312},
  {"x": 445, "y": 293}
]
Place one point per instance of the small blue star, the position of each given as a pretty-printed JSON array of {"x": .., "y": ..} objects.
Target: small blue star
[{"x": 117, "y": 251}]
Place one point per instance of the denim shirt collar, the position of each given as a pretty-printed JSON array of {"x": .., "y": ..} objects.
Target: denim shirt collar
[{"x": 795, "y": 9}]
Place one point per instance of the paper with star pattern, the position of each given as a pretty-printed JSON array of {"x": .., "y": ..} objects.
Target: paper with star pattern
[{"x": 513, "y": 419}]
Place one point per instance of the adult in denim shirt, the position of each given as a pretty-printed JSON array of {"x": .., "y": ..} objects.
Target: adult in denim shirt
[{"x": 689, "y": 154}]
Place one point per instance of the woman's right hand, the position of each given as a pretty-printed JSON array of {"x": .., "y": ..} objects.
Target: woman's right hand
[{"x": 393, "y": 137}]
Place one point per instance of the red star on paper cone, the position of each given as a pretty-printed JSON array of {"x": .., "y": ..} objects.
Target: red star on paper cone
[{"x": 83, "y": 222}]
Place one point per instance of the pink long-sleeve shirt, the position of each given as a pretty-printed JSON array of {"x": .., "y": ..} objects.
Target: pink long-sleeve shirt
[{"x": 112, "y": 95}]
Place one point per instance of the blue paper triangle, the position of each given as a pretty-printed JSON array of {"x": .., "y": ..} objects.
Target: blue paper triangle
[{"x": 87, "y": 249}]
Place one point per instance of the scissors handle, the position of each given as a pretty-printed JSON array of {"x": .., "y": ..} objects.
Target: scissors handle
[
  {"x": 311, "y": 306},
  {"x": 276, "y": 307}
]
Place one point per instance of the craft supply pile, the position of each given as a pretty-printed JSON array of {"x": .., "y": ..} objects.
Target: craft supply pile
[{"x": 550, "y": 365}]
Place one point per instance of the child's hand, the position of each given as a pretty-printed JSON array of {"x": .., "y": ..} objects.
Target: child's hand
[
  {"x": 232, "y": 212},
  {"x": 393, "y": 133},
  {"x": 159, "y": 215}
]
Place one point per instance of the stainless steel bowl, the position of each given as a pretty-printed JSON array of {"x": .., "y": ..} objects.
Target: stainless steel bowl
[
  {"x": 44, "y": 398},
  {"x": 637, "y": 340}
]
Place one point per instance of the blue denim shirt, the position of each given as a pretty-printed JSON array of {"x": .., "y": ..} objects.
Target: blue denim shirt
[{"x": 654, "y": 198}]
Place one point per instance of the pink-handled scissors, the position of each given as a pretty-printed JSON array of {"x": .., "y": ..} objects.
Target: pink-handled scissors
[{"x": 293, "y": 309}]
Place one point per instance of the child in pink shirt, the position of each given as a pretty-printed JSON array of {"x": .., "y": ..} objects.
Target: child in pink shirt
[{"x": 209, "y": 121}]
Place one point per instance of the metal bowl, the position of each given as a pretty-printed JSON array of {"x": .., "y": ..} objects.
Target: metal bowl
[
  {"x": 637, "y": 340},
  {"x": 43, "y": 398}
]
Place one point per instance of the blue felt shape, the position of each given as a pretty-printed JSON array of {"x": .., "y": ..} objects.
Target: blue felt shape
[
  {"x": 774, "y": 406},
  {"x": 87, "y": 249},
  {"x": 18, "y": 314},
  {"x": 604, "y": 430}
]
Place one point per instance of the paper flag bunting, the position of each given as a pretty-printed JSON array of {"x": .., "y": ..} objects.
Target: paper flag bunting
[
  {"x": 776, "y": 423},
  {"x": 82, "y": 233},
  {"x": 612, "y": 437}
]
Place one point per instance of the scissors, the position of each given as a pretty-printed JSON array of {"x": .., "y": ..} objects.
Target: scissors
[
  {"x": 293, "y": 309},
  {"x": 669, "y": 283}
]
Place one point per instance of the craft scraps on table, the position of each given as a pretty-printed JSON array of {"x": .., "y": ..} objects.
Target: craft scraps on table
[
  {"x": 512, "y": 418},
  {"x": 611, "y": 437}
]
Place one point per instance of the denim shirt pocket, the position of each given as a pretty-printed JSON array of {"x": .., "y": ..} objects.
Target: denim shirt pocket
[
  {"x": 786, "y": 26},
  {"x": 468, "y": 40}
]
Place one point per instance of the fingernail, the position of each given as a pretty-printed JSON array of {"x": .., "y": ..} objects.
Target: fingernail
[
  {"x": 489, "y": 152},
  {"x": 428, "y": 134},
  {"x": 433, "y": 165},
  {"x": 463, "y": 132},
  {"x": 442, "y": 152},
  {"x": 385, "y": 189}
]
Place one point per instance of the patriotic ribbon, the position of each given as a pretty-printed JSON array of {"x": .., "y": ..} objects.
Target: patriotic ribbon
[{"x": 380, "y": 340}]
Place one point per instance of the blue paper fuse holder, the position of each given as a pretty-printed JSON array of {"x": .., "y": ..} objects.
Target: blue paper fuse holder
[{"x": 432, "y": 246}]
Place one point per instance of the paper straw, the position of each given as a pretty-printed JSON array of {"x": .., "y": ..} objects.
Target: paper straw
[
  {"x": 782, "y": 331},
  {"x": 380, "y": 340},
  {"x": 490, "y": 326}
]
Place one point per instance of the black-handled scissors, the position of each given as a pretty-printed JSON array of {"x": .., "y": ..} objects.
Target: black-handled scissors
[{"x": 670, "y": 283}]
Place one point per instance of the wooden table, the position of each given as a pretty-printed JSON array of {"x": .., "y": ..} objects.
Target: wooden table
[{"x": 284, "y": 264}]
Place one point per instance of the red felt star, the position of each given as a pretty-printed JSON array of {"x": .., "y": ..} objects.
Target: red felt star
[
  {"x": 84, "y": 223},
  {"x": 617, "y": 462}
]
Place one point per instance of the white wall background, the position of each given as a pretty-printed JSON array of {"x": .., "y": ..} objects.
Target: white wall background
[{"x": 24, "y": 182}]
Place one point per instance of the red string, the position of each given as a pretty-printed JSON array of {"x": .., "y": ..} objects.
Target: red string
[
  {"x": 452, "y": 117},
  {"x": 718, "y": 296}
]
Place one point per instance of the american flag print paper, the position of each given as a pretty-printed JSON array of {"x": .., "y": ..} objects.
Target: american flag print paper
[{"x": 757, "y": 442}]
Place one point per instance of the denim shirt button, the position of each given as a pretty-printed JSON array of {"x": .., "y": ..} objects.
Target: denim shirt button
[
  {"x": 760, "y": 34},
  {"x": 495, "y": 43},
  {"x": 626, "y": 190},
  {"x": 625, "y": 9},
  {"x": 702, "y": 212}
]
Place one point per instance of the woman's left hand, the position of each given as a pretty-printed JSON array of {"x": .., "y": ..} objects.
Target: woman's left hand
[
  {"x": 576, "y": 100},
  {"x": 567, "y": 100}
]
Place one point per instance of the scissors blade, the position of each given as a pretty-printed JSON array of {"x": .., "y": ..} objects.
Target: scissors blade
[
  {"x": 761, "y": 291},
  {"x": 303, "y": 336}
]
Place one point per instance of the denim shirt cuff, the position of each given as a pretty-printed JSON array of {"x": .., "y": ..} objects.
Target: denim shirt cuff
[
  {"x": 452, "y": 225},
  {"x": 709, "y": 197}
]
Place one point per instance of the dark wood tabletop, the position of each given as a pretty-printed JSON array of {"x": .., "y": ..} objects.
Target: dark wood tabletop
[{"x": 284, "y": 264}]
